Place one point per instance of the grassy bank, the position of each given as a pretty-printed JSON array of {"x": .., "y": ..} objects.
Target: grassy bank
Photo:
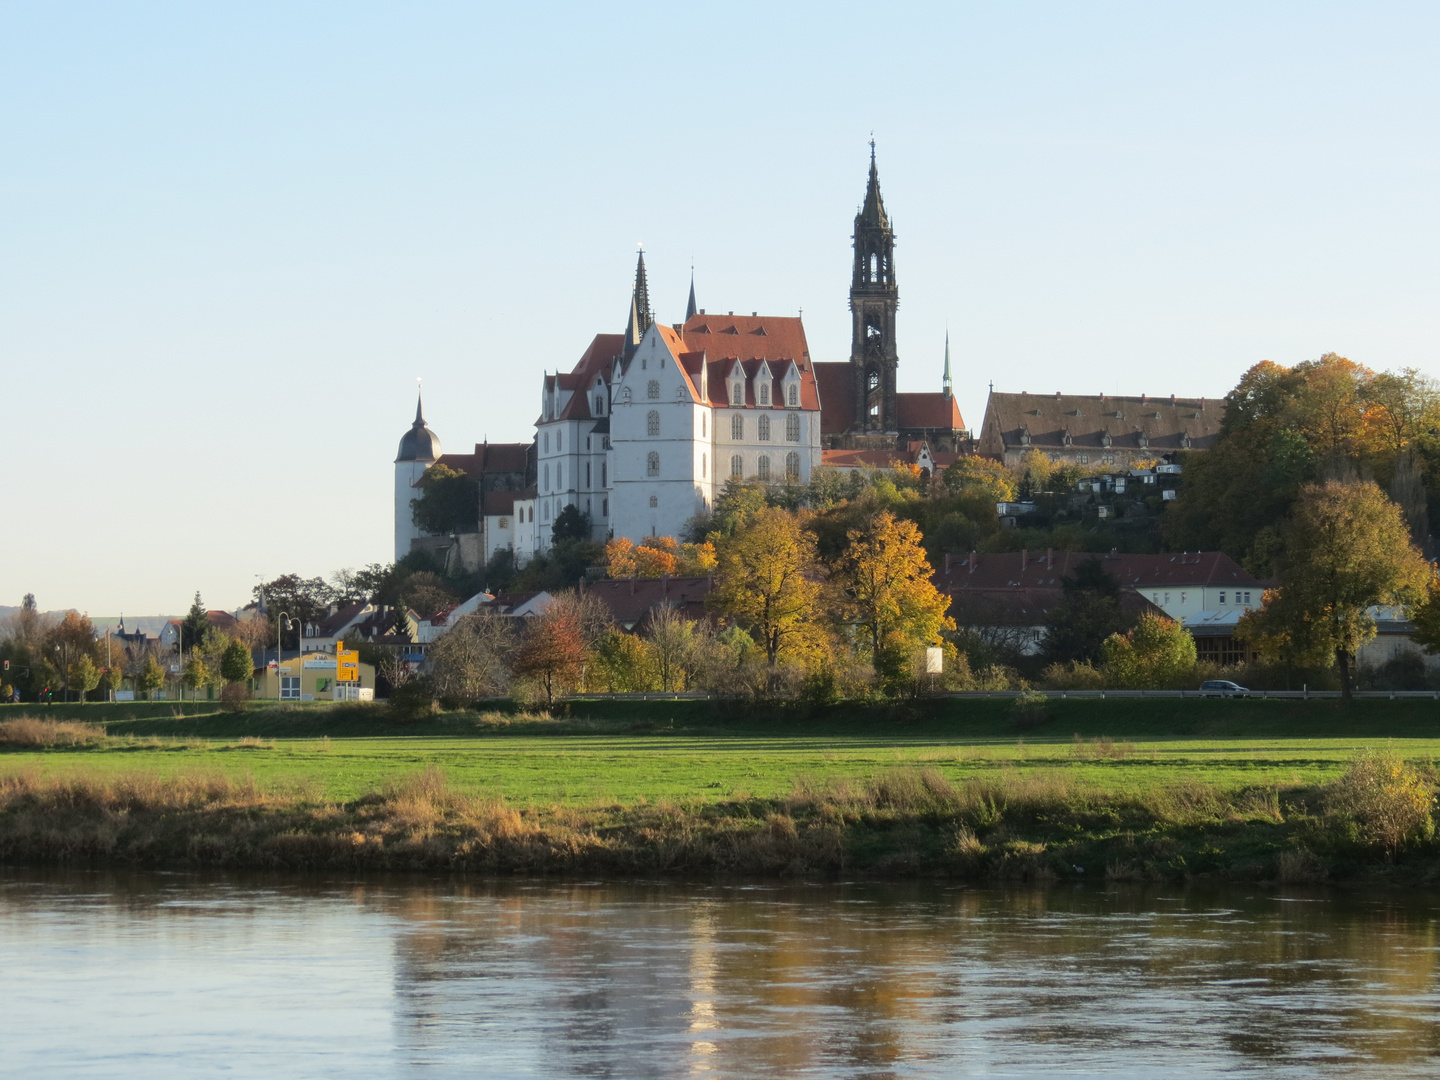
[{"x": 1150, "y": 789}]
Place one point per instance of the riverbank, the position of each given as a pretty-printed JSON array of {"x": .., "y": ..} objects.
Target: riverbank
[{"x": 513, "y": 792}]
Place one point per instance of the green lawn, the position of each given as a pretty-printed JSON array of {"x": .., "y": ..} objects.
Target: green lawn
[{"x": 623, "y": 752}]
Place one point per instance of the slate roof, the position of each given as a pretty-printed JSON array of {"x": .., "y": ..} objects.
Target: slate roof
[
  {"x": 1160, "y": 424},
  {"x": 1025, "y": 607},
  {"x": 1039, "y": 569},
  {"x": 630, "y": 600},
  {"x": 914, "y": 412}
]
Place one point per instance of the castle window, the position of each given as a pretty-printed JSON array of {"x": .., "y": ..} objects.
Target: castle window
[
  {"x": 547, "y": 478},
  {"x": 704, "y": 424},
  {"x": 792, "y": 466},
  {"x": 873, "y": 381},
  {"x": 504, "y": 523},
  {"x": 737, "y": 465},
  {"x": 794, "y": 396},
  {"x": 652, "y": 389},
  {"x": 652, "y": 423},
  {"x": 654, "y": 501},
  {"x": 587, "y": 474},
  {"x": 1222, "y": 598},
  {"x": 737, "y": 427},
  {"x": 792, "y": 427},
  {"x": 605, "y": 507},
  {"x": 559, "y": 476},
  {"x": 763, "y": 429},
  {"x": 599, "y": 405},
  {"x": 737, "y": 393},
  {"x": 547, "y": 442},
  {"x": 652, "y": 463},
  {"x": 625, "y": 394},
  {"x": 702, "y": 466},
  {"x": 765, "y": 392},
  {"x": 559, "y": 439},
  {"x": 762, "y": 469},
  {"x": 680, "y": 392},
  {"x": 545, "y": 514},
  {"x": 604, "y": 474}
]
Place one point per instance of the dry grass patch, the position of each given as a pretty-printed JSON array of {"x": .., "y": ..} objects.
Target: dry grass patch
[{"x": 29, "y": 731}]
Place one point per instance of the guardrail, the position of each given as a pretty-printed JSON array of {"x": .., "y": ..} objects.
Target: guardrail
[{"x": 1296, "y": 695}]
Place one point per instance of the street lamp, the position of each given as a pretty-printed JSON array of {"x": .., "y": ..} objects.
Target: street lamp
[{"x": 282, "y": 620}]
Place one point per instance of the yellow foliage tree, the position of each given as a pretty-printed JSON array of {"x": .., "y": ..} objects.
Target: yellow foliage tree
[
  {"x": 655, "y": 556},
  {"x": 765, "y": 581},
  {"x": 1158, "y": 654},
  {"x": 884, "y": 580}
]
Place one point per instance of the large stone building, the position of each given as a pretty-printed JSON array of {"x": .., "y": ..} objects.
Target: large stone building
[{"x": 644, "y": 431}]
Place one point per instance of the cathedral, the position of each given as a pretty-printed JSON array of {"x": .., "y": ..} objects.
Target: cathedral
[{"x": 643, "y": 432}]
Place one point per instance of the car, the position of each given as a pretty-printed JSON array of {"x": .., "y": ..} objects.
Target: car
[{"x": 1223, "y": 688}]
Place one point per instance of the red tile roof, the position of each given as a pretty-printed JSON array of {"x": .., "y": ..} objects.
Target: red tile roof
[
  {"x": 931, "y": 410},
  {"x": 1039, "y": 569},
  {"x": 837, "y": 397},
  {"x": 629, "y": 600}
]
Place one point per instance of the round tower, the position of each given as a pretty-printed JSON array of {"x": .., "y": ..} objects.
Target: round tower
[{"x": 419, "y": 449}]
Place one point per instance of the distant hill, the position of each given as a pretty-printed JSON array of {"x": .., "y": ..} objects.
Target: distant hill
[{"x": 151, "y": 624}]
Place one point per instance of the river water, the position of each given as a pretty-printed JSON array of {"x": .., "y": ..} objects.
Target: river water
[{"x": 173, "y": 975}]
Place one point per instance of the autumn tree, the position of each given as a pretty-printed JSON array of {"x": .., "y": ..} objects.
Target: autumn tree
[
  {"x": 551, "y": 651},
  {"x": 622, "y": 664},
  {"x": 1426, "y": 615},
  {"x": 151, "y": 677},
  {"x": 981, "y": 477},
  {"x": 197, "y": 673},
  {"x": 1347, "y": 549},
  {"x": 883, "y": 583},
  {"x": 303, "y": 600},
  {"x": 82, "y": 676},
  {"x": 468, "y": 662},
  {"x": 111, "y": 678},
  {"x": 655, "y": 556},
  {"x": 674, "y": 643},
  {"x": 764, "y": 580},
  {"x": 1158, "y": 653}
]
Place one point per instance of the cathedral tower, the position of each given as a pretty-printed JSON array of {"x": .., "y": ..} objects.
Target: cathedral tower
[{"x": 874, "y": 296}]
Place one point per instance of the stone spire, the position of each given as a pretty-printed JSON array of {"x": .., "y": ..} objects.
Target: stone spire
[
  {"x": 946, "y": 386},
  {"x": 690, "y": 308},
  {"x": 640, "y": 316},
  {"x": 874, "y": 297}
]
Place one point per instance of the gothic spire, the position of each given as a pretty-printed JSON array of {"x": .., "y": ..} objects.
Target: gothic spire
[
  {"x": 873, "y": 212},
  {"x": 690, "y": 308},
  {"x": 419, "y": 408},
  {"x": 642, "y": 294},
  {"x": 945, "y": 384}
]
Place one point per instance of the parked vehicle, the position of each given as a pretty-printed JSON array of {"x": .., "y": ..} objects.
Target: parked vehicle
[{"x": 1223, "y": 688}]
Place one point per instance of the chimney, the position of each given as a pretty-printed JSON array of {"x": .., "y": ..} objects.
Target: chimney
[
  {"x": 1172, "y": 399},
  {"x": 973, "y": 560},
  {"x": 1057, "y": 395}
]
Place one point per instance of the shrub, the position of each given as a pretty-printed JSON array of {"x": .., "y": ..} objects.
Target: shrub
[
  {"x": 233, "y": 697},
  {"x": 1387, "y": 799},
  {"x": 412, "y": 702},
  {"x": 28, "y": 731},
  {"x": 1030, "y": 710},
  {"x": 1076, "y": 675}
]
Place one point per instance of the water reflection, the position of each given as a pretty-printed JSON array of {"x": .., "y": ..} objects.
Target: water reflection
[{"x": 175, "y": 975}]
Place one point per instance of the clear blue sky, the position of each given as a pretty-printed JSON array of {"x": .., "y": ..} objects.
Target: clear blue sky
[{"x": 234, "y": 234}]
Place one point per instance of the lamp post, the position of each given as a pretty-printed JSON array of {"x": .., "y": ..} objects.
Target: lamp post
[{"x": 282, "y": 620}]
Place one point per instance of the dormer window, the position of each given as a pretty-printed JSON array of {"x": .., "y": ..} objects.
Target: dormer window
[
  {"x": 599, "y": 404},
  {"x": 737, "y": 393},
  {"x": 765, "y": 392},
  {"x": 793, "y": 396},
  {"x": 625, "y": 395},
  {"x": 1105, "y": 439}
]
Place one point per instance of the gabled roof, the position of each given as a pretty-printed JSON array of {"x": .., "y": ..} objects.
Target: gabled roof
[
  {"x": 490, "y": 458},
  {"x": 1025, "y": 607},
  {"x": 928, "y": 410},
  {"x": 837, "y": 396},
  {"x": 1130, "y": 422},
  {"x": 752, "y": 342},
  {"x": 630, "y": 600},
  {"x": 595, "y": 363},
  {"x": 1047, "y": 569},
  {"x": 333, "y": 624}
]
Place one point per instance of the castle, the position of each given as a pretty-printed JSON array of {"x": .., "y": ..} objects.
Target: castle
[{"x": 645, "y": 430}]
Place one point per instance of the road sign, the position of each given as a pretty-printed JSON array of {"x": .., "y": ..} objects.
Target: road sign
[
  {"x": 347, "y": 665},
  {"x": 934, "y": 660}
]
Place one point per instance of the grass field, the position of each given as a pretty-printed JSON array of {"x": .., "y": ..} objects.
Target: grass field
[
  {"x": 1158, "y": 789},
  {"x": 682, "y": 751}
]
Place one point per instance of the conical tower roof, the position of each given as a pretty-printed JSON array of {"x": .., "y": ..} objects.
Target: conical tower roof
[
  {"x": 419, "y": 443},
  {"x": 873, "y": 212}
]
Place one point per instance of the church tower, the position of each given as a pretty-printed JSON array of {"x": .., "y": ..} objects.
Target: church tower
[
  {"x": 419, "y": 449},
  {"x": 874, "y": 296}
]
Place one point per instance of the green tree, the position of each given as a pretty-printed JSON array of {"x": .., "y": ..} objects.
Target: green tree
[
  {"x": 82, "y": 676},
  {"x": 303, "y": 600},
  {"x": 197, "y": 674},
  {"x": 623, "y": 664},
  {"x": 236, "y": 663},
  {"x": 1426, "y": 615},
  {"x": 151, "y": 677},
  {"x": 571, "y": 524},
  {"x": 1347, "y": 549},
  {"x": 764, "y": 580},
  {"x": 195, "y": 627},
  {"x": 1088, "y": 613},
  {"x": 1158, "y": 654},
  {"x": 449, "y": 500},
  {"x": 110, "y": 679}
]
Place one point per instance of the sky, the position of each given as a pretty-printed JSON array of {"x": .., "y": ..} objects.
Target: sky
[{"x": 234, "y": 235}]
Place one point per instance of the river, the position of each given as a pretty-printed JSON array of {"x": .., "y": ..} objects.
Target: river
[{"x": 177, "y": 975}]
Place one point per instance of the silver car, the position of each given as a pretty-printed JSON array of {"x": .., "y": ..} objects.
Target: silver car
[{"x": 1222, "y": 688}]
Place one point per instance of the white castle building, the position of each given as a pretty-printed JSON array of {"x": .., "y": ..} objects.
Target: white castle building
[{"x": 645, "y": 430}]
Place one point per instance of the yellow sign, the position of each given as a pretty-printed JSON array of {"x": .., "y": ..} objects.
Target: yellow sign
[{"x": 347, "y": 665}]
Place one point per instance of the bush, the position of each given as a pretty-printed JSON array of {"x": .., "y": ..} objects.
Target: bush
[
  {"x": 1076, "y": 675},
  {"x": 412, "y": 702},
  {"x": 1387, "y": 799},
  {"x": 28, "y": 731},
  {"x": 233, "y": 697},
  {"x": 1030, "y": 710}
]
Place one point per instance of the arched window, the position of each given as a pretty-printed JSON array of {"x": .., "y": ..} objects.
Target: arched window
[
  {"x": 873, "y": 381},
  {"x": 547, "y": 442},
  {"x": 762, "y": 470},
  {"x": 737, "y": 427},
  {"x": 652, "y": 463},
  {"x": 599, "y": 404},
  {"x": 702, "y": 466},
  {"x": 737, "y": 465},
  {"x": 764, "y": 391},
  {"x": 737, "y": 393},
  {"x": 654, "y": 501},
  {"x": 792, "y": 466},
  {"x": 625, "y": 394},
  {"x": 559, "y": 438},
  {"x": 704, "y": 424},
  {"x": 604, "y": 474},
  {"x": 587, "y": 474},
  {"x": 652, "y": 423},
  {"x": 792, "y": 427},
  {"x": 559, "y": 476},
  {"x": 763, "y": 429},
  {"x": 794, "y": 396},
  {"x": 652, "y": 389},
  {"x": 547, "y": 479}
]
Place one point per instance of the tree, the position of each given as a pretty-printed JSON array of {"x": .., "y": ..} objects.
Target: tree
[
  {"x": 197, "y": 674},
  {"x": 1426, "y": 615},
  {"x": 971, "y": 475},
  {"x": 551, "y": 651},
  {"x": 82, "y": 676},
  {"x": 1159, "y": 653},
  {"x": 301, "y": 599},
  {"x": 570, "y": 524},
  {"x": 1346, "y": 550},
  {"x": 468, "y": 662},
  {"x": 195, "y": 627},
  {"x": 151, "y": 676},
  {"x": 110, "y": 679},
  {"x": 888, "y": 596},
  {"x": 673, "y": 642},
  {"x": 623, "y": 664},
  {"x": 449, "y": 501},
  {"x": 72, "y": 638},
  {"x": 236, "y": 663},
  {"x": 1088, "y": 613},
  {"x": 764, "y": 580}
]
